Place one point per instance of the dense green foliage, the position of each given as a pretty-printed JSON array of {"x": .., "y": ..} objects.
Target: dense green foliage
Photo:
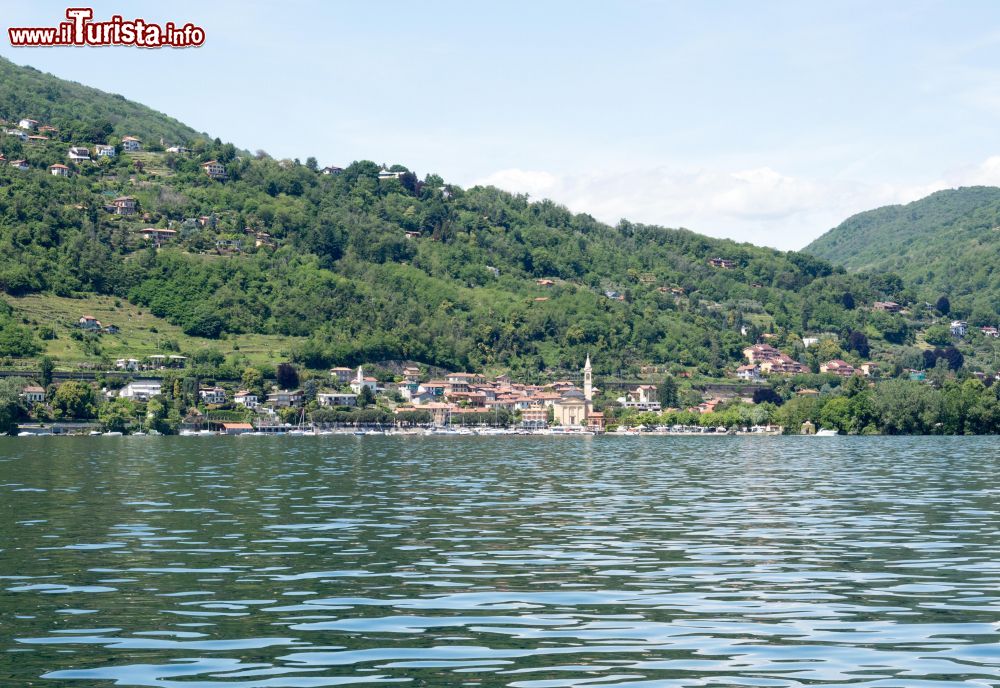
[
  {"x": 11, "y": 405},
  {"x": 945, "y": 244},
  {"x": 363, "y": 267},
  {"x": 81, "y": 113},
  {"x": 894, "y": 407},
  {"x": 459, "y": 292}
]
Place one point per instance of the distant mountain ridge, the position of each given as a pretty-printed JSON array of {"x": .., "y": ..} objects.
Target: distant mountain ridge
[{"x": 945, "y": 244}]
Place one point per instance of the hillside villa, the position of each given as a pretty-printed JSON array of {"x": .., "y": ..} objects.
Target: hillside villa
[
  {"x": 342, "y": 374},
  {"x": 837, "y": 367},
  {"x": 770, "y": 361},
  {"x": 140, "y": 390},
  {"x": 285, "y": 398},
  {"x": 213, "y": 395},
  {"x": 214, "y": 169},
  {"x": 887, "y": 306},
  {"x": 33, "y": 394},
  {"x": 158, "y": 236},
  {"x": 123, "y": 205},
  {"x": 337, "y": 399},
  {"x": 642, "y": 398},
  {"x": 89, "y": 322}
]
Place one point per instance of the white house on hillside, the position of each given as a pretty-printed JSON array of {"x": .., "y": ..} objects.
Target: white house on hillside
[
  {"x": 140, "y": 390},
  {"x": 337, "y": 399},
  {"x": 131, "y": 144},
  {"x": 214, "y": 169},
  {"x": 245, "y": 398},
  {"x": 213, "y": 395}
]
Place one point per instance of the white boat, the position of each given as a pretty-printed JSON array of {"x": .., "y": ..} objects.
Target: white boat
[
  {"x": 827, "y": 433},
  {"x": 563, "y": 430},
  {"x": 113, "y": 434}
]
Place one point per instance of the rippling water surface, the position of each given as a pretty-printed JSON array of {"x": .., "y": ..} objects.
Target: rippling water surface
[{"x": 529, "y": 562}]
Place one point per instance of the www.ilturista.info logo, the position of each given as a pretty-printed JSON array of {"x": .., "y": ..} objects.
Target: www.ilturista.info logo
[{"x": 80, "y": 30}]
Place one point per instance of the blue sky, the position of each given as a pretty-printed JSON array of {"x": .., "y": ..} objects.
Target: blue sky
[{"x": 767, "y": 122}]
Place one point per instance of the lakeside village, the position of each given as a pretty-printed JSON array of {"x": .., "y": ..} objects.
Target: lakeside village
[
  {"x": 409, "y": 402},
  {"x": 156, "y": 394}
]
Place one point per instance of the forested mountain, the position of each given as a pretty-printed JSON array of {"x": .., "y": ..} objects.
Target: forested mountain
[
  {"x": 945, "y": 244},
  {"x": 373, "y": 262},
  {"x": 80, "y": 112}
]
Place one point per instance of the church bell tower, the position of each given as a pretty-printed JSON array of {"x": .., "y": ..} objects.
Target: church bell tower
[{"x": 588, "y": 386}]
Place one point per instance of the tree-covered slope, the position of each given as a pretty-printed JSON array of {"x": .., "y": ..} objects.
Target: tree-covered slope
[
  {"x": 945, "y": 244},
  {"x": 79, "y": 111},
  {"x": 362, "y": 266}
]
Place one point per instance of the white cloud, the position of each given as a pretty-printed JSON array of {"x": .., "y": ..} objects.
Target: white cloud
[{"x": 760, "y": 205}]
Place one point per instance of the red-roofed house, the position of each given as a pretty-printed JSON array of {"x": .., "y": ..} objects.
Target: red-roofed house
[
  {"x": 236, "y": 428},
  {"x": 837, "y": 367}
]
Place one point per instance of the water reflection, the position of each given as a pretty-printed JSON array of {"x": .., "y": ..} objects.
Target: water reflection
[{"x": 528, "y": 562}]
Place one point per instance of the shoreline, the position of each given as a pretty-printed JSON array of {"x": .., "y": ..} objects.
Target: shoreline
[
  {"x": 404, "y": 433},
  {"x": 493, "y": 433}
]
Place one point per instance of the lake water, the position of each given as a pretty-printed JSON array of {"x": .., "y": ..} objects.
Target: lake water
[{"x": 530, "y": 562}]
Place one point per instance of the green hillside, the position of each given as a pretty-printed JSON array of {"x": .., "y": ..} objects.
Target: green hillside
[
  {"x": 80, "y": 112},
  {"x": 375, "y": 264},
  {"x": 945, "y": 244}
]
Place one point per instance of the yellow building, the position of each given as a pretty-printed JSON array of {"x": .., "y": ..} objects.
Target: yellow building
[{"x": 574, "y": 406}]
